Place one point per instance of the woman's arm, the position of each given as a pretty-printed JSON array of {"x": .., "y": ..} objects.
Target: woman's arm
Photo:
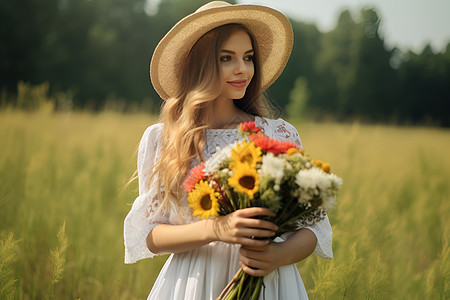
[
  {"x": 261, "y": 260},
  {"x": 235, "y": 228}
]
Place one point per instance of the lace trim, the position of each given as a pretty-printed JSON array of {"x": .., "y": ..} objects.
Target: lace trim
[{"x": 152, "y": 210}]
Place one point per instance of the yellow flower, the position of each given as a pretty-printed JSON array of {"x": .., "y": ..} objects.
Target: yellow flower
[
  {"x": 203, "y": 201},
  {"x": 291, "y": 151},
  {"x": 245, "y": 179},
  {"x": 245, "y": 153},
  {"x": 317, "y": 162},
  {"x": 326, "y": 167}
]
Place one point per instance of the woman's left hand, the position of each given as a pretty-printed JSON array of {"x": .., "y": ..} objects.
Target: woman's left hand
[{"x": 260, "y": 261}]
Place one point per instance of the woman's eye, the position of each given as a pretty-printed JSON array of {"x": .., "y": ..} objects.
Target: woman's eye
[
  {"x": 225, "y": 58},
  {"x": 249, "y": 58}
]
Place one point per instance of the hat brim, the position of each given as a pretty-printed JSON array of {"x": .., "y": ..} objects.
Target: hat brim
[{"x": 271, "y": 29}]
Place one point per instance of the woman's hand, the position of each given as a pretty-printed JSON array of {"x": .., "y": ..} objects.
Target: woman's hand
[
  {"x": 260, "y": 261},
  {"x": 240, "y": 226}
]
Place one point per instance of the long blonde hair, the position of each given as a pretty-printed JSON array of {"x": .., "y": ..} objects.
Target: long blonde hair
[{"x": 187, "y": 115}]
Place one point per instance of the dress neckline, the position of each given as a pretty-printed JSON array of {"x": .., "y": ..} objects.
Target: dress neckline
[{"x": 230, "y": 130}]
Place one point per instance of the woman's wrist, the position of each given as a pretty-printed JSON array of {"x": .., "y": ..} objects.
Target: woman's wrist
[{"x": 209, "y": 230}]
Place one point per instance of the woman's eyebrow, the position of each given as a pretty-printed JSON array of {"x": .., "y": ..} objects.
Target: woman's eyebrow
[{"x": 232, "y": 52}]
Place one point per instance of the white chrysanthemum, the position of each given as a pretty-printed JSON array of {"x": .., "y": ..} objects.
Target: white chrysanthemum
[
  {"x": 213, "y": 163},
  {"x": 328, "y": 202},
  {"x": 273, "y": 167},
  {"x": 310, "y": 178},
  {"x": 314, "y": 182},
  {"x": 336, "y": 182},
  {"x": 329, "y": 195}
]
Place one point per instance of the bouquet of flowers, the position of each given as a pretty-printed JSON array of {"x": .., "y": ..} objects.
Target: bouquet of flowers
[{"x": 260, "y": 171}]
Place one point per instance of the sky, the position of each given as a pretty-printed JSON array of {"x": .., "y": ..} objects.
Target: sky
[{"x": 406, "y": 24}]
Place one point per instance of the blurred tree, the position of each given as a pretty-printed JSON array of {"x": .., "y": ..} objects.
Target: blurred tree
[
  {"x": 23, "y": 26},
  {"x": 100, "y": 51},
  {"x": 336, "y": 66},
  {"x": 300, "y": 64},
  {"x": 93, "y": 48},
  {"x": 175, "y": 10},
  {"x": 372, "y": 91},
  {"x": 425, "y": 87},
  {"x": 64, "y": 58},
  {"x": 121, "y": 42},
  {"x": 298, "y": 98},
  {"x": 355, "y": 69}
]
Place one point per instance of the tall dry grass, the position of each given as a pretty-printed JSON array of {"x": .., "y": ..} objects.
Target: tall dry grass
[
  {"x": 63, "y": 201},
  {"x": 7, "y": 259},
  {"x": 391, "y": 227}
]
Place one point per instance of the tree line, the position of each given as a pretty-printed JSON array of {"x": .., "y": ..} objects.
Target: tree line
[{"x": 98, "y": 51}]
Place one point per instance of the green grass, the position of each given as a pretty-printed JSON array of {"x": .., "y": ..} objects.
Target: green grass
[{"x": 62, "y": 205}]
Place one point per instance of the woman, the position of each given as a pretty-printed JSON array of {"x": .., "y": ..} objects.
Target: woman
[{"x": 211, "y": 69}]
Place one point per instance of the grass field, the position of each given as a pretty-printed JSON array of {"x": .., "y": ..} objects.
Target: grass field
[{"x": 62, "y": 205}]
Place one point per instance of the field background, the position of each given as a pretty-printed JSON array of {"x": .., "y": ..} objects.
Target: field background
[{"x": 63, "y": 201}]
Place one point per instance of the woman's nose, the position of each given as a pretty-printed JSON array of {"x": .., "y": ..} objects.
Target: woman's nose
[{"x": 240, "y": 66}]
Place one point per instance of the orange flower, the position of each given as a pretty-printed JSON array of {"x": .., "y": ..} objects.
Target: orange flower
[
  {"x": 317, "y": 162},
  {"x": 194, "y": 177},
  {"x": 271, "y": 145},
  {"x": 249, "y": 127},
  {"x": 291, "y": 151},
  {"x": 326, "y": 167}
]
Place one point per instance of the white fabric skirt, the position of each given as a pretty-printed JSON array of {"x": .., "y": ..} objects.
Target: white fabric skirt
[{"x": 204, "y": 272}]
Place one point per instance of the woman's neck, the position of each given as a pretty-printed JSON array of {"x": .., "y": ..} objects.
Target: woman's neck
[{"x": 226, "y": 115}]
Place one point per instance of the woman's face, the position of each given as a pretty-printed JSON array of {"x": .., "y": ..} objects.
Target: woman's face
[{"x": 236, "y": 63}]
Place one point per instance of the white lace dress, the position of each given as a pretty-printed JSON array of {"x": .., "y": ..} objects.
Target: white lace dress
[{"x": 202, "y": 273}]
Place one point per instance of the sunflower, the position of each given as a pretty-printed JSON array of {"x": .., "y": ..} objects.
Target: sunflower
[
  {"x": 245, "y": 179},
  {"x": 203, "y": 201},
  {"x": 245, "y": 153}
]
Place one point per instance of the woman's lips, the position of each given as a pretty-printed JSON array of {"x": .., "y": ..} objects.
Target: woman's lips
[{"x": 238, "y": 83}]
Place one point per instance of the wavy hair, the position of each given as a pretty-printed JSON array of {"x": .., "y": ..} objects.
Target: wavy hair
[{"x": 188, "y": 115}]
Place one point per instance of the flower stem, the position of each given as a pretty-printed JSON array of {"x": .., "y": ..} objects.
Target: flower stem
[
  {"x": 241, "y": 284},
  {"x": 255, "y": 295},
  {"x": 228, "y": 193},
  {"x": 230, "y": 284},
  {"x": 296, "y": 217}
]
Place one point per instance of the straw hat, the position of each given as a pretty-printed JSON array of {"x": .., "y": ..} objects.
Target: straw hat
[{"x": 271, "y": 29}]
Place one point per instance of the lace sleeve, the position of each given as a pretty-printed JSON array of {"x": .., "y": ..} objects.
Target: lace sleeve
[
  {"x": 323, "y": 232},
  {"x": 143, "y": 217},
  {"x": 283, "y": 131}
]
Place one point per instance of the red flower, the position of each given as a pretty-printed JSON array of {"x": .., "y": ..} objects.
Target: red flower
[
  {"x": 271, "y": 145},
  {"x": 250, "y": 127},
  {"x": 194, "y": 177},
  {"x": 286, "y": 145}
]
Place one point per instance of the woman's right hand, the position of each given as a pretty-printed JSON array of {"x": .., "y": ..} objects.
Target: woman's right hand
[{"x": 241, "y": 227}]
